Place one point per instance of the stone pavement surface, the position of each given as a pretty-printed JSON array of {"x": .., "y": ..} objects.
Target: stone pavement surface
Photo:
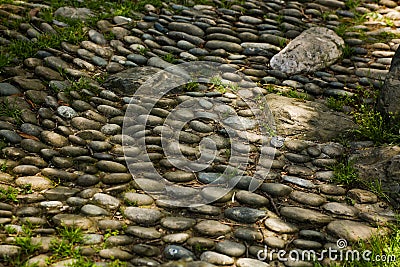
[{"x": 101, "y": 154}]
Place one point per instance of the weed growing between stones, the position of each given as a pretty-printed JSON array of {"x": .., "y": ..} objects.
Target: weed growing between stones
[
  {"x": 8, "y": 109},
  {"x": 68, "y": 246},
  {"x": 352, "y": 4},
  {"x": 348, "y": 51},
  {"x": 340, "y": 102},
  {"x": 287, "y": 91},
  {"x": 169, "y": 58},
  {"x": 373, "y": 126},
  {"x": 191, "y": 86},
  {"x": 9, "y": 194},
  {"x": 220, "y": 86},
  {"x": 344, "y": 173},
  {"x": 143, "y": 50},
  {"x": 82, "y": 86},
  {"x": 28, "y": 247}
]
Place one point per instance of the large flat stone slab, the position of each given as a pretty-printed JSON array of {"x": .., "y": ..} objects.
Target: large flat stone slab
[
  {"x": 307, "y": 120},
  {"x": 128, "y": 81},
  {"x": 350, "y": 230},
  {"x": 382, "y": 164}
]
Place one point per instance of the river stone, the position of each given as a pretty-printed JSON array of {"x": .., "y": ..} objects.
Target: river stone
[
  {"x": 340, "y": 209},
  {"x": 186, "y": 28},
  {"x": 276, "y": 189},
  {"x": 248, "y": 234},
  {"x": 9, "y": 251},
  {"x": 228, "y": 46},
  {"x": 177, "y": 238},
  {"x": 128, "y": 81},
  {"x": 107, "y": 201},
  {"x": 146, "y": 250},
  {"x": 206, "y": 209},
  {"x": 143, "y": 215},
  {"x": 173, "y": 252},
  {"x": 307, "y": 198},
  {"x": 93, "y": 210},
  {"x": 306, "y": 244},
  {"x": 248, "y": 262},
  {"x": 331, "y": 189},
  {"x": 115, "y": 253},
  {"x": 305, "y": 215},
  {"x": 138, "y": 199},
  {"x": 26, "y": 170},
  {"x": 244, "y": 214},
  {"x": 216, "y": 194},
  {"x": 72, "y": 220},
  {"x": 116, "y": 178},
  {"x": 280, "y": 226},
  {"x": 143, "y": 232},
  {"x": 37, "y": 182},
  {"x": 179, "y": 176},
  {"x": 251, "y": 199},
  {"x": 212, "y": 228},
  {"x": 216, "y": 258},
  {"x": 149, "y": 185},
  {"x": 306, "y": 120},
  {"x": 10, "y": 136},
  {"x": 298, "y": 181},
  {"x": 54, "y": 139},
  {"x": 82, "y": 123},
  {"x": 314, "y": 49},
  {"x": 177, "y": 223},
  {"x": 110, "y": 166},
  {"x": 7, "y": 89},
  {"x": 350, "y": 230},
  {"x": 66, "y": 112},
  {"x": 230, "y": 248}
]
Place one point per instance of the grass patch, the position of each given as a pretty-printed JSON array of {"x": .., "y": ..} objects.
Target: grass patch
[
  {"x": 339, "y": 102},
  {"x": 68, "y": 246},
  {"x": 216, "y": 83},
  {"x": 191, "y": 86},
  {"x": 348, "y": 51},
  {"x": 344, "y": 173},
  {"x": 352, "y": 4},
  {"x": 8, "y": 109},
  {"x": 373, "y": 126}
]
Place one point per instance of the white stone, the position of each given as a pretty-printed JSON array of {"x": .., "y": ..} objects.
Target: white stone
[{"x": 314, "y": 49}]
